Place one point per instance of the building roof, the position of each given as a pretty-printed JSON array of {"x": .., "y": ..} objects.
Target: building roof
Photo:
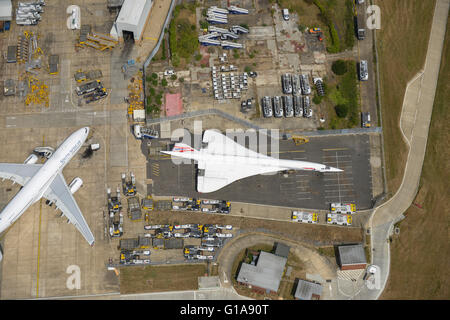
[
  {"x": 5, "y": 10},
  {"x": 265, "y": 274},
  {"x": 306, "y": 289},
  {"x": 352, "y": 254},
  {"x": 131, "y": 11},
  {"x": 157, "y": 242},
  {"x": 282, "y": 250},
  {"x": 174, "y": 243}
]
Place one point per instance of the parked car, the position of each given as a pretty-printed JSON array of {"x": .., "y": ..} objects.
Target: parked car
[
  {"x": 288, "y": 106},
  {"x": 298, "y": 106},
  {"x": 266, "y": 105},
  {"x": 363, "y": 71},
  {"x": 277, "y": 107}
]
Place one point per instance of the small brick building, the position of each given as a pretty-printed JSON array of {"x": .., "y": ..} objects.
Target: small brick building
[{"x": 352, "y": 257}]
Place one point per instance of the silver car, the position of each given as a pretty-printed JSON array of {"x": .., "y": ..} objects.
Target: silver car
[
  {"x": 277, "y": 107},
  {"x": 298, "y": 106},
  {"x": 288, "y": 106},
  {"x": 363, "y": 72},
  {"x": 267, "y": 107}
]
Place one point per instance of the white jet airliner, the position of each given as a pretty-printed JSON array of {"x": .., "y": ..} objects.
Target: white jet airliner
[
  {"x": 224, "y": 161},
  {"x": 46, "y": 180}
]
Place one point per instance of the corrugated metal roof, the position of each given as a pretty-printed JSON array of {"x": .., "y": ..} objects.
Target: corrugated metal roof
[
  {"x": 131, "y": 11},
  {"x": 174, "y": 243},
  {"x": 306, "y": 289},
  {"x": 282, "y": 250},
  {"x": 266, "y": 274},
  {"x": 352, "y": 254}
]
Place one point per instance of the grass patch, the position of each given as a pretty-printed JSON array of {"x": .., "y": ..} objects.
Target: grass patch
[
  {"x": 420, "y": 252},
  {"x": 344, "y": 92},
  {"x": 183, "y": 34},
  {"x": 160, "y": 278},
  {"x": 326, "y": 251}
]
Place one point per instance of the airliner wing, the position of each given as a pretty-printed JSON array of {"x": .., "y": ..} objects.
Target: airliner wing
[
  {"x": 18, "y": 172},
  {"x": 60, "y": 194},
  {"x": 217, "y": 176}
]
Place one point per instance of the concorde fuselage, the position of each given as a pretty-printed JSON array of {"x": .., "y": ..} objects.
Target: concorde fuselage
[
  {"x": 251, "y": 159},
  {"x": 34, "y": 189}
]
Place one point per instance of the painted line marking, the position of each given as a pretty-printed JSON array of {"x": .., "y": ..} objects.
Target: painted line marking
[{"x": 335, "y": 149}]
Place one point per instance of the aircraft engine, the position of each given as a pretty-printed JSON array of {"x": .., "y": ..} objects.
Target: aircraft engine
[
  {"x": 32, "y": 159},
  {"x": 75, "y": 185}
]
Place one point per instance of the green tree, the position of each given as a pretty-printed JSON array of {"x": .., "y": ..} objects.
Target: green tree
[
  {"x": 173, "y": 77},
  {"x": 247, "y": 69},
  {"x": 154, "y": 75},
  {"x": 164, "y": 82},
  {"x": 341, "y": 110}
]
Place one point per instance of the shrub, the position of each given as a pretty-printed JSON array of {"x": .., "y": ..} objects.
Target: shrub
[
  {"x": 173, "y": 77},
  {"x": 154, "y": 82},
  {"x": 204, "y": 24},
  {"x": 154, "y": 76},
  {"x": 247, "y": 69},
  {"x": 175, "y": 60},
  {"x": 339, "y": 67},
  {"x": 198, "y": 57},
  {"x": 181, "y": 79},
  {"x": 152, "y": 91},
  {"x": 341, "y": 110},
  {"x": 317, "y": 99},
  {"x": 164, "y": 82}
]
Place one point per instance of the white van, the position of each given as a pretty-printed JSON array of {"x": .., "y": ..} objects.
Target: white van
[{"x": 285, "y": 14}]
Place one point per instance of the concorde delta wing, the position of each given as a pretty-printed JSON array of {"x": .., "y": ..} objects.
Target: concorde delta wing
[
  {"x": 18, "y": 172},
  {"x": 218, "y": 175},
  {"x": 59, "y": 193}
]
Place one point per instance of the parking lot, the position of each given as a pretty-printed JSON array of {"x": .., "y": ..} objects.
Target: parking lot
[{"x": 298, "y": 189}]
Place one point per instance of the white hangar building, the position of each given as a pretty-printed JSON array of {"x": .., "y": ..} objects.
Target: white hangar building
[{"x": 131, "y": 21}]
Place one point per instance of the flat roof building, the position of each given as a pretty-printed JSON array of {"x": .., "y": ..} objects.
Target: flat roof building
[
  {"x": 132, "y": 18},
  {"x": 281, "y": 249},
  {"x": 352, "y": 257},
  {"x": 307, "y": 290},
  {"x": 265, "y": 275},
  {"x": 5, "y": 10}
]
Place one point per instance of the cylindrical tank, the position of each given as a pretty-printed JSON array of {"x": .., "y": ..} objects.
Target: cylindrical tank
[
  {"x": 32, "y": 158},
  {"x": 75, "y": 185}
]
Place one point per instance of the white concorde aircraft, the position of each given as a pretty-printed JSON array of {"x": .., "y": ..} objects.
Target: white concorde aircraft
[
  {"x": 46, "y": 180},
  {"x": 224, "y": 161}
]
